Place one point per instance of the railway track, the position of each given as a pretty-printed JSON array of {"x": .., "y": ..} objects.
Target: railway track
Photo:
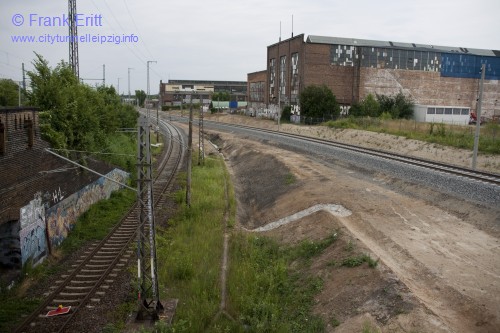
[
  {"x": 486, "y": 177},
  {"x": 95, "y": 271}
]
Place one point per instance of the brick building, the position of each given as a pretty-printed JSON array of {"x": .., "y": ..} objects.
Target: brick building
[
  {"x": 179, "y": 92},
  {"x": 257, "y": 91},
  {"x": 32, "y": 181},
  {"x": 437, "y": 76}
]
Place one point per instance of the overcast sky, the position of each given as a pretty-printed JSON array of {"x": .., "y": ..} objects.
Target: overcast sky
[{"x": 225, "y": 40}]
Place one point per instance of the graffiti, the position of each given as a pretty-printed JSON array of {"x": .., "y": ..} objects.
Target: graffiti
[
  {"x": 30, "y": 212},
  {"x": 57, "y": 196},
  {"x": 62, "y": 217},
  {"x": 32, "y": 235},
  {"x": 344, "y": 110}
]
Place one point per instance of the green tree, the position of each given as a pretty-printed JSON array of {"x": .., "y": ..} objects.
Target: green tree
[
  {"x": 286, "y": 113},
  {"x": 368, "y": 107},
  {"x": 222, "y": 96},
  {"x": 141, "y": 97},
  {"x": 116, "y": 114},
  {"x": 74, "y": 115},
  {"x": 70, "y": 111},
  {"x": 398, "y": 106},
  {"x": 318, "y": 102},
  {"x": 9, "y": 93}
]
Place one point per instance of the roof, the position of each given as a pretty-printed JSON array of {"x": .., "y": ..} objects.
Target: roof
[
  {"x": 398, "y": 45},
  {"x": 215, "y": 83}
]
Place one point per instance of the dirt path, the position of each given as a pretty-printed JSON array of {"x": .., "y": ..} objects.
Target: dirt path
[{"x": 439, "y": 264}]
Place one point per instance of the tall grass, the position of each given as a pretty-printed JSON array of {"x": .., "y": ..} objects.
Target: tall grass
[
  {"x": 459, "y": 136},
  {"x": 264, "y": 294},
  {"x": 98, "y": 221},
  {"x": 190, "y": 249}
]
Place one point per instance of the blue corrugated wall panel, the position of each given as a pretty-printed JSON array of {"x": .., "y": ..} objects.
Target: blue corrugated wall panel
[{"x": 469, "y": 66}]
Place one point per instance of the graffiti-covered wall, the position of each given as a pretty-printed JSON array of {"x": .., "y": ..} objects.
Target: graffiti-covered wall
[
  {"x": 32, "y": 236},
  {"x": 61, "y": 217}
]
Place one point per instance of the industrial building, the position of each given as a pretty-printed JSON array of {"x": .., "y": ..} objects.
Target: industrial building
[
  {"x": 435, "y": 77},
  {"x": 179, "y": 92}
]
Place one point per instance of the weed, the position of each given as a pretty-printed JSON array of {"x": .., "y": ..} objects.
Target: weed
[
  {"x": 368, "y": 328},
  {"x": 352, "y": 261},
  {"x": 350, "y": 246},
  {"x": 359, "y": 260},
  {"x": 334, "y": 322},
  {"x": 262, "y": 294},
  {"x": 96, "y": 222},
  {"x": 438, "y": 133},
  {"x": 308, "y": 249},
  {"x": 290, "y": 179},
  {"x": 332, "y": 263}
]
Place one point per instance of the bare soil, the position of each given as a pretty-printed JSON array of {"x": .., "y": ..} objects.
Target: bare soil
[{"x": 438, "y": 268}]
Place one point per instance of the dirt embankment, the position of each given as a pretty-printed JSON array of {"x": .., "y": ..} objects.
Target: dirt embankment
[{"x": 438, "y": 268}]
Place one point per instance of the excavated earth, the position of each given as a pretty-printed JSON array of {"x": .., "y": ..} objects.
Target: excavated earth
[
  {"x": 438, "y": 257},
  {"x": 438, "y": 268}
]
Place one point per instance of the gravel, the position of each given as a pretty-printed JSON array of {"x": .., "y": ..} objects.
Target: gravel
[{"x": 456, "y": 186}]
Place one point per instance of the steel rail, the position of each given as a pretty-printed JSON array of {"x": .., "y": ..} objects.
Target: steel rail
[
  {"x": 487, "y": 177},
  {"x": 129, "y": 218}
]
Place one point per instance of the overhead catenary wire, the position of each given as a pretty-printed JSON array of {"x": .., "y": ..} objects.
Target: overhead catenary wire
[
  {"x": 89, "y": 169},
  {"x": 91, "y": 152},
  {"x": 137, "y": 29},
  {"x": 141, "y": 59},
  {"x": 57, "y": 170}
]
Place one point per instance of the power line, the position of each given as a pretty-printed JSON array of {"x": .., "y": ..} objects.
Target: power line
[
  {"x": 88, "y": 169},
  {"x": 116, "y": 32},
  {"x": 137, "y": 28},
  {"x": 91, "y": 152}
]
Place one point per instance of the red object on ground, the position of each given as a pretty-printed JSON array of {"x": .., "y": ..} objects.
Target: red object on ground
[{"x": 59, "y": 311}]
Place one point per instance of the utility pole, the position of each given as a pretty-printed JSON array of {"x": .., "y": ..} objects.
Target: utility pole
[
  {"x": 129, "y": 82},
  {"x": 118, "y": 91},
  {"x": 201, "y": 139},
  {"x": 73, "y": 38},
  {"x": 478, "y": 120},
  {"x": 189, "y": 153},
  {"x": 158, "y": 121},
  {"x": 24, "y": 79},
  {"x": 148, "y": 292},
  {"x": 104, "y": 75},
  {"x": 147, "y": 93},
  {"x": 279, "y": 81}
]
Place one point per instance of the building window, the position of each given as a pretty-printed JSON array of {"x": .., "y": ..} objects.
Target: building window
[
  {"x": 342, "y": 55},
  {"x": 272, "y": 76},
  {"x": 294, "y": 74},
  {"x": 395, "y": 59},
  {"x": 431, "y": 111},
  {"x": 282, "y": 87},
  {"x": 256, "y": 91}
]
